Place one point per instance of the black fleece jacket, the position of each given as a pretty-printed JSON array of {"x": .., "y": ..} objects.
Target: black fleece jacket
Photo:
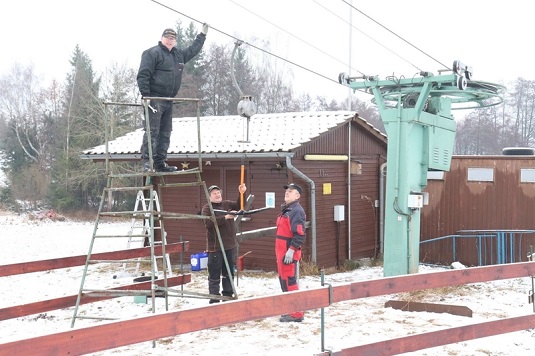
[{"x": 160, "y": 71}]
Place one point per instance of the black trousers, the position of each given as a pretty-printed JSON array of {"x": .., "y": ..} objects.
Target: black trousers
[
  {"x": 218, "y": 275},
  {"x": 161, "y": 125}
]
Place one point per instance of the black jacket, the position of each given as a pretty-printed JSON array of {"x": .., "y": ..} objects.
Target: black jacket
[{"x": 160, "y": 71}]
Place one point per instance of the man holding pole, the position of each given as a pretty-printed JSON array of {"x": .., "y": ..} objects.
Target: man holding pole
[{"x": 218, "y": 275}]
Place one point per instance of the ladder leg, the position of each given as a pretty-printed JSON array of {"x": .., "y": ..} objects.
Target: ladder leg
[{"x": 84, "y": 274}]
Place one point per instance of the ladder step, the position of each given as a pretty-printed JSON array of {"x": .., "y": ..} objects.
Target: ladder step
[
  {"x": 177, "y": 185},
  {"x": 116, "y": 293},
  {"x": 125, "y": 189},
  {"x": 130, "y": 260},
  {"x": 116, "y": 236},
  {"x": 157, "y": 215},
  {"x": 144, "y": 227},
  {"x": 140, "y": 214},
  {"x": 94, "y": 317},
  {"x": 131, "y": 175}
]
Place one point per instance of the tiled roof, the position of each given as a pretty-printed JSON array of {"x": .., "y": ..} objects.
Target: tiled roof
[{"x": 222, "y": 134}]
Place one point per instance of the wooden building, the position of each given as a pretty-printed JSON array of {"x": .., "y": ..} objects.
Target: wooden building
[
  {"x": 334, "y": 156},
  {"x": 486, "y": 204}
]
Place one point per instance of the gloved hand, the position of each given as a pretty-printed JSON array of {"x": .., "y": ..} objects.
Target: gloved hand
[
  {"x": 205, "y": 28},
  {"x": 288, "y": 257}
]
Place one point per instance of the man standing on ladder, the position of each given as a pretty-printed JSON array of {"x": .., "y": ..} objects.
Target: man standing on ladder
[
  {"x": 217, "y": 270},
  {"x": 160, "y": 75}
]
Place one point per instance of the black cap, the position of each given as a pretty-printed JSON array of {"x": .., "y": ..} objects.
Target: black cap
[
  {"x": 294, "y": 186},
  {"x": 169, "y": 32},
  {"x": 212, "y": 187}
]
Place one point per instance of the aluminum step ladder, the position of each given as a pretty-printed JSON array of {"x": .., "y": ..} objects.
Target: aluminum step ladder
[{"x": 142, "y": 227}]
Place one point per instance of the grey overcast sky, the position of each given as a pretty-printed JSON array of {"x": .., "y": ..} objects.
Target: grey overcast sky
[{"x": 493, "y": 37}]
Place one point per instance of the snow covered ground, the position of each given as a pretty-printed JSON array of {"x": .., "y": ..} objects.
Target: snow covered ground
[{"x": 347, "y": 324}]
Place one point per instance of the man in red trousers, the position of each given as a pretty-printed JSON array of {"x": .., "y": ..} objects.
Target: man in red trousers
[{"x": 290, "y": 236}]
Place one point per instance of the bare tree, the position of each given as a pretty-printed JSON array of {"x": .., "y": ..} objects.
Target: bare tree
[
  {"x": 18, "y": 103},
  {"x": 522, "y": 105},
  {"x": 30, "y": 113},
  {"x": 218, "y": 88},
  {"x": 482, "y": 132}
]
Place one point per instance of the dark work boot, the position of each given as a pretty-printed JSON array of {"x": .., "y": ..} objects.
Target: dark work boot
[
  {"x": 163, "y": 167},
  {"x": 145, "y": 165},
  {"x": 227, "y": 294}
]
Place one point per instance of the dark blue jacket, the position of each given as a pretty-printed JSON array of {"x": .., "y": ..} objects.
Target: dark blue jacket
[{"x": 291, "y": 224}]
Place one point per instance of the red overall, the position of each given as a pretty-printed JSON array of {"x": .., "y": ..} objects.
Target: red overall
[{"x": 290, "y": 234}]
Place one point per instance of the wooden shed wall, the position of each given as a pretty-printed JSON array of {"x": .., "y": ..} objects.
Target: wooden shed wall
[
  {"x": 457, "y": 204},
  {"x": 270, "y": 175}
]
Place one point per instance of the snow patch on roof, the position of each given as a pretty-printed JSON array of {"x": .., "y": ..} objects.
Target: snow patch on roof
[{"x": 225, "y": 134}]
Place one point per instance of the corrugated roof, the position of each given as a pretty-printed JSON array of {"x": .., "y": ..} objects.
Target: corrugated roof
[{"x": 222, "y": 134}]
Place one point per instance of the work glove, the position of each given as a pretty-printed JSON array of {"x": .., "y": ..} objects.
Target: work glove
[
  {"x": 205, "y": 27},
  {"x": 288, "y": 257}
]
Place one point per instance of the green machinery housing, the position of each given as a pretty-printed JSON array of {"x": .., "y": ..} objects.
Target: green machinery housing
[{"x": 416, "y": 113}]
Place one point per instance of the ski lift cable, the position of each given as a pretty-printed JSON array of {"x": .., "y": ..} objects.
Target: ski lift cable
[
  {"x": 395, "y": 34},
  {"x": 370, "y": 37},
  {"x": 294, "y": 36},
  {"x": 249, "y": 44}
]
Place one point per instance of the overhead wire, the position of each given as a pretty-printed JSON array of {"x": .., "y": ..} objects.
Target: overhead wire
[
  {"x": 309, "y": 44},
  {"x": 395, "y": 34},
  {"x": 365, "y": 34},
  {"x": 247, "y": 43},
  {"x": 291, "y": 34}
]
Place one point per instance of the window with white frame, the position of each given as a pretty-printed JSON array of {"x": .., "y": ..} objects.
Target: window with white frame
[
  {"x": 480, "y": 174},
  {"x": 435, "y": 175},
  {"x": 527, "y": 175}
]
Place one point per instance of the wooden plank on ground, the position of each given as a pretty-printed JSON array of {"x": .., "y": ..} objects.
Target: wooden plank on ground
[
  {"x": 429, "y": 307},
  {"x": 69, "y": 301},
  {"x": 438, "y": 338},
  {"x": 126, "y": 332},
  {"x": 65, "y": 262}
]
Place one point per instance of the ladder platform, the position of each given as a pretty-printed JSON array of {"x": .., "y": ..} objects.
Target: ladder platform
[{"x": 152, "y": 174}]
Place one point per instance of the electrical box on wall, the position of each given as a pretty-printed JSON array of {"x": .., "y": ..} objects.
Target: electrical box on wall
[
  {"x": 339, "y": 213},
  {"x": 415, "y": 200}
]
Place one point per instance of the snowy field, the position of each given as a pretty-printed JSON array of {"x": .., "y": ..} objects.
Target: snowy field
[{"x": 347, "y": 324}]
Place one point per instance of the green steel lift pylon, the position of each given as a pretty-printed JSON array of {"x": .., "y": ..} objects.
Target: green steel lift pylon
[{"x": 416, "y": 113}]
